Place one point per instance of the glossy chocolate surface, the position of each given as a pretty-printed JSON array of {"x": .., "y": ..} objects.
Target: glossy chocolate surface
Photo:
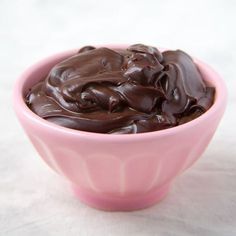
[{"x": 133, "y": 90}]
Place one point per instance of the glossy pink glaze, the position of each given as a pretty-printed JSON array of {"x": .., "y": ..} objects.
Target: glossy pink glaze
[{"x": 118, "y": 172}]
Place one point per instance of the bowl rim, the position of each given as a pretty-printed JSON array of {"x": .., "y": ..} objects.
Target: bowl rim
[{"x": 22, "y": 109}]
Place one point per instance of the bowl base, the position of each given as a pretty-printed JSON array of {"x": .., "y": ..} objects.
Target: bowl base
[{"x": 108, "y": 202}]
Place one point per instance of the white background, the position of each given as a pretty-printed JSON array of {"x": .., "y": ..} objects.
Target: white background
[{"x": 34, "y": 200}]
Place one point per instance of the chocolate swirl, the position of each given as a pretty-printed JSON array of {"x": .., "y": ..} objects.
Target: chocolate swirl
[{"x": 133, "y": 90}]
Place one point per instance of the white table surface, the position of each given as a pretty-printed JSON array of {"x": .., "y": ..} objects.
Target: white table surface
[{"x": 33, "y": 199}]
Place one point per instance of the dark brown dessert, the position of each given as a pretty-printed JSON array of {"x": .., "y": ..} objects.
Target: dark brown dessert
[{"x": 121, "y": 91}]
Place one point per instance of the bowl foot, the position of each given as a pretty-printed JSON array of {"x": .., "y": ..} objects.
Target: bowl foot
[{"x": 109, "y": 202}]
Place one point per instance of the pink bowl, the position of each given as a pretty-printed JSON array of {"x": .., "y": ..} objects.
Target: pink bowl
[{"x": 118, "y": 172}]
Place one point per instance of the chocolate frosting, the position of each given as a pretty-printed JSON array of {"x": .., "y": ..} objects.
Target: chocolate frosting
[{"x": 133, "y": 90}]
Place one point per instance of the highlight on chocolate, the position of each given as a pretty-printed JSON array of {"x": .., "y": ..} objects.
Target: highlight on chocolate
[{"x": 122, "y": 91}]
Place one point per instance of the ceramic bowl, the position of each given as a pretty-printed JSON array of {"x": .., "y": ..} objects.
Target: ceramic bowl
[{"x": 118, "y": 172}]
